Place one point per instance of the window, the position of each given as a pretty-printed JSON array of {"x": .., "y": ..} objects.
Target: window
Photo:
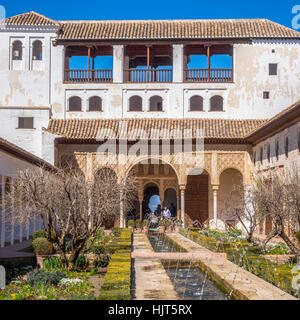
[
  {"x": 25, "y": 123},
  {"x": 17, "y": 50},
  {"x": 272, "y": 69},
  {"x": 216, "y": 103},
  {"x": 286, "y": 147},
  {"x": 261, "y": 155},
  {"x": 299, "y": 140},
  {"x": 95, "y": 104},
  {"x": 268, "y": 152},
  {"x": 156, "y": 103},
  {"x": 266, "y": 95},
  {"x": 135, "y": 103},
  {"x": 37, "y": 50},
  {"x": 254, "y": 157},
  {"x": 75, "y": 104},
  {"x": 277, "y": 150},
  {"x": 196, "y": 103}
]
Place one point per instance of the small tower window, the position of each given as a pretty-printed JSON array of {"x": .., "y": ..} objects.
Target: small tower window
[
  {"x": 266, "y": 95},
  {"x": 196, "y": 103},
  {"x": 286, "y": 147},
  {"x": 156, "y": 103},
  {"x": 37, "y": 50},
  {"x": 216, "y": 103},
  {"x": 95, "y": 104},
  {"x": 272, "y": 69},
  {"x": 17, "y": 50},
  {"x": 75, "y": 104},
  {"x": 135, "y": 103},
  {"x": 268, "y": 152},
  {"x": 25, "y": 123},
  {"x": 277, "y": 150}
]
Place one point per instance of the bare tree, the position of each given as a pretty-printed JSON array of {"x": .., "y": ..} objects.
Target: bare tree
[
  {"x": 241, "y": 205},
  {"x": 71, "y": 207},
  {"x": 279, "y": 199}
]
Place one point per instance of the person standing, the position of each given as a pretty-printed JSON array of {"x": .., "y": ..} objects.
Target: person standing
[{"x": 166, "y": 213}]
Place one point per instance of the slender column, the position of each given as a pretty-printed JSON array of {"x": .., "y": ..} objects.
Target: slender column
[
  {"x": 182, "y": 190},
  {"x": 215, "y": 205},
  {"x": 178, "y": 62},
  {"x": 208, "y": 57},
  {"x": 122, "y": 222},
  {"x": 178, "y": 204},
  {"x": 118, "y": 63},
  {"x": 141, "y": 196},
  {"x": 89, "y": 63},
  {"x": 2, "y": 211}
]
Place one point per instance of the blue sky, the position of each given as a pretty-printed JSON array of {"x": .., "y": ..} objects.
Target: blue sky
[{"x": 279, "y": 11}]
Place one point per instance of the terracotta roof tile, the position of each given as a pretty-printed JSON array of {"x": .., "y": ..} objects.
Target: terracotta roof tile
[
  {"x": 92, "y": 128},
  {"x": 175, "y": 29},
  {"x": 30, "y": 19}
]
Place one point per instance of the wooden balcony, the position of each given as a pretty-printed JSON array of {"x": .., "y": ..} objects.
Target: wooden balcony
[
  {"x": 208, "y": 75},
  {"x": 148, "y": 75},
  {"x": 84, "y": 75}
]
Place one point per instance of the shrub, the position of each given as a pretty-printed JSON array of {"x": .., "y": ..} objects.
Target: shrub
[
  {"x": 130, "y": 223},
  {"x": 51, "y": 263},
  {"x": 138, "y": 223},
  {"x": 116, "y": 232},
  {"x": 42, "y": 246},
  {"x": 41, "y": 277},
  {"x": 234, "y": 233},
  {"x": 146, "y": 222},
  {"x": 178, "y": 222},
  {"x": 98, "y": 249},
  {"x": 39, "y": 234},
  {"x": 81, "y": 262},
  {"x": 162, "y": 223},
  {"x": 297, "y": 235},
  {"x": 102, "y": 261},
  {"x": 168, "y": 223}
]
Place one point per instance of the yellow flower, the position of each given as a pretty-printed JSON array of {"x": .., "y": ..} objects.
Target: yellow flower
[{"x": 13, "y": 296}]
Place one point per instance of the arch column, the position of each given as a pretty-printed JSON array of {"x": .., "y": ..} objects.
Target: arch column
[
  {"x": 215, "y": 189},
  {"x": 182, "y": 191},
  {"x": 141, "y": 198}
]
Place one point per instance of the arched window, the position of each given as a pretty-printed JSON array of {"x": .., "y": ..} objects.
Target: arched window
[
  {"x": 17, "y": 50},
  {"x": 196, "y": 103},
  {"x": 156, "y": 103},
  {"x": 216, "y": 103},
  {"x": 75, "y": 104},
  {"x": 95, "y": 104},
  {"x": 37, "y": 50},
  {"x": 135, "y": 103}
]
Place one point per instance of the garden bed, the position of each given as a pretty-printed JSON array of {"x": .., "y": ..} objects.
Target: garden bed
[
  {"x": 117, "y": 281},
  {"x": 248, "y": 256}
]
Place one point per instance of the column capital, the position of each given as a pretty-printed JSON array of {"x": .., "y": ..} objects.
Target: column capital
[
  {"x": 182, "y": 187},
  {"x": 215, "y": 187}
]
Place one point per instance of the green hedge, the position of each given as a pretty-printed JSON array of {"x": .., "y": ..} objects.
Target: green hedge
[{"x": 117, "y": 281}]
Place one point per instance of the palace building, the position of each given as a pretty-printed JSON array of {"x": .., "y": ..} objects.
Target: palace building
[{"x": 236, "y": 80}]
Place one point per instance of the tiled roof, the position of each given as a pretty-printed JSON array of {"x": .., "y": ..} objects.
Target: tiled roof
[
  {"x": 158, "y": 29},
  {"x": 277, "y": 123},
  {"x": 175, "y": 29},
  {"x": 30, "y": 19},
  {"x": 20, "y": 153},
  {"x": 91, "y": 128}
]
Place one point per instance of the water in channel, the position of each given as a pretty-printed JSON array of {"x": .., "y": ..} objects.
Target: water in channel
[{"x": 189, "y": 281}]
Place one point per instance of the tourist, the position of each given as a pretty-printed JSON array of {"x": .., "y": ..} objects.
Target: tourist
[{"x": 166, "y": 213}]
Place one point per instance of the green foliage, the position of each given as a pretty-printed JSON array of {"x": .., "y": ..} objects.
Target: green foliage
[
  {"x": 100, "y": 235},
  {"x": 234, "y": 233},
  {"x": 98, "y": 249},
  {"x": 297, "y": 235},
  {"x": 102, "y": 261},
  {"x": 52, "y": 263},
  {"x": 277, "y": 249},
  {"x": 117, "y": 281},
  {"x": 42, "y": 246},
  {"x": 41, "y": 277},
  {"x": 81, "y": 262},
  {"x": 138, "y": 223},
  {"x": 39, "y": 234},
  {"x": 168, "y": 223},
  {"x": 162, "y": 223},
  {"x": 116, "y": 232},
  {"x": 146, "y": 222},
  {"x": 130, "y": 223},
  {"x": 178, "y": 222}
]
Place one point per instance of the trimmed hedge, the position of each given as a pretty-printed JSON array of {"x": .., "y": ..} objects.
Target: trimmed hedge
[
  {"x": 117, "y": 281},
  {"x": 42, "y": 246}
]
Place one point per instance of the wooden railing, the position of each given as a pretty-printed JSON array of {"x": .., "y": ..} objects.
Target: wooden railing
[
  {"x": 208, "y": 75},
  {"x": 148, "y": 75},
  {"x": 84, "y": 75}
]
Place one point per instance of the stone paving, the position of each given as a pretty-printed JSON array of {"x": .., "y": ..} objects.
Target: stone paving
[
  {"x": 243, "y": 284},
  {"x": 151, "y": 280}
]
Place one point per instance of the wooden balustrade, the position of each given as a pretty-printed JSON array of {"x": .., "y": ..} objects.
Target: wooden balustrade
[
  {"x": 84, "y": 75},
  {"x": 208, "y": 75},
  {"x": 148, "y": 75}
]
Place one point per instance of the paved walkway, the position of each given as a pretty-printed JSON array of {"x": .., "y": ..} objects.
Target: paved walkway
[
  {"x": 243, "y": 284},
  {"x": 151, "y": 280},
  {"x": 15, "y": 252}
]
